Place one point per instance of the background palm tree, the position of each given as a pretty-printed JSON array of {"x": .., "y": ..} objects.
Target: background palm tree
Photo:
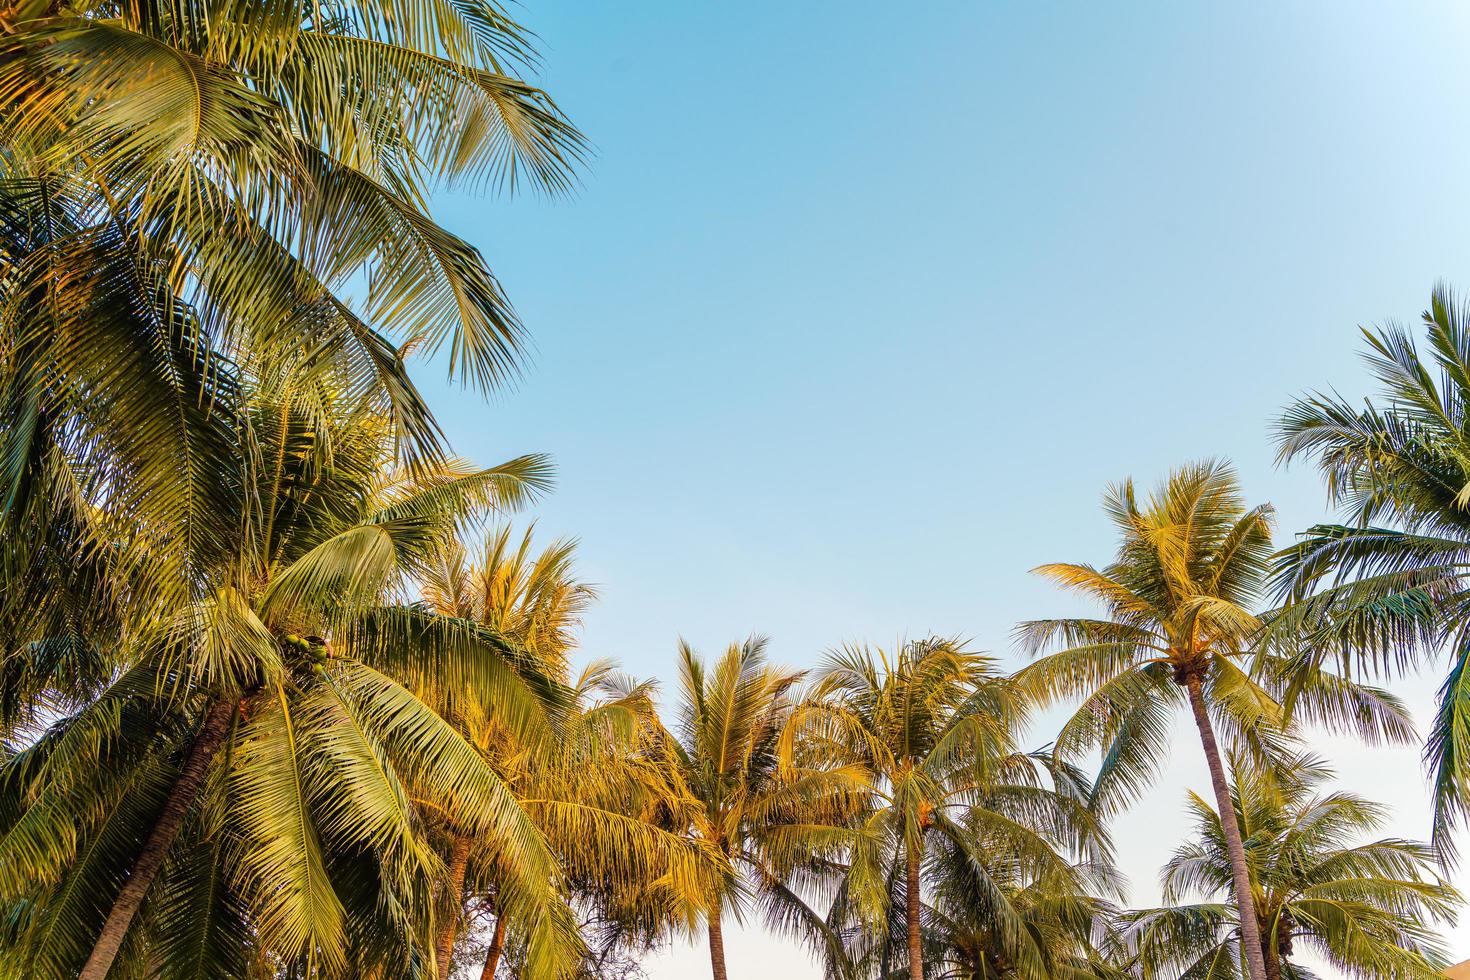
[
  {"x": 537, "y": 603},
  {"x": 242, "y": 788},
  {"x": 762, "y": 819},
  {"x": 592, "y": 785},
  {"x": 605, "y": 797},
  {"x": 1368, "y": 908},
  {"x": 1389, "y": 588},
  {"x": 931, "y": 729},
  {"x": 1180, "y": 631},
  {"x": 1066, "y": 917},
  {"x": 992, "y": 910}
]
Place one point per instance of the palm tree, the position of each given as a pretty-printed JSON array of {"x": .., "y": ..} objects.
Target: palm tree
[
  {"x": 994, "y": 911},
  {"x": 606, "y": 799},
  {"x": 1388, "y": 589},
  {"x": 1180, "y": 630},
  {"x": 761, "y": 818},
  {"x": 189, "y": 186},
  {"x": 1066, "y": 925},
  {"x": 245, "y": 784},
  {"x": 1366, "y": 908},
  {"x": 592, "y": 786},
  {"x": 538, "y": 604},
  {"x": 1069, "y": 930},
  {"x": 931, "y": 728}
]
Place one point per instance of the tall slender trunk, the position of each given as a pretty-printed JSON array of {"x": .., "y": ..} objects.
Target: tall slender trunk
[
  {"x": 1245, "y": 906},
  {"x": 459, "y": 860},
  {"x": 911, "y": 916},
  {"x": 150, "y": 859},
  {"x": 1273, "y": 960},
  {"x": 492, "y": 955},
  {"x": 716, "y": 943}
]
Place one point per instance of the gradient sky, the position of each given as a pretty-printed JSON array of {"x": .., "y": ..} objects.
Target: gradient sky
[{"x": 861, "y": 305}]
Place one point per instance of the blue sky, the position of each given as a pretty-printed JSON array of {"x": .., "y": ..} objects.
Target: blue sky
[{"x": 860, "y": 306}]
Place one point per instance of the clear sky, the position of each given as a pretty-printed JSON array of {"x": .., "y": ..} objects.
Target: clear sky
[{"x": 861, "y": 305}]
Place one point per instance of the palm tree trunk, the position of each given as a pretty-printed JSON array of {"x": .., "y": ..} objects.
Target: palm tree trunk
[
  {"x": 459, "y": 860},
  {"x": 911, "y": 916},
  {"x": 1273, "y": 962},
  {"x": 150, "y": 859},
  {"x": 492, "y": 956},
  {"x": 1245, "y": 906},
  {"x": 716, "y": 944}
]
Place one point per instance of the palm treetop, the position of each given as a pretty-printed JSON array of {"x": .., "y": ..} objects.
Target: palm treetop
[
  {"x": 1192, "y": 561},
  {"x": 729, "y": 721},
  {"x": 773, "y": 820},
  {"x": 1182, "y": 598},
  {"x": 1369, "y": 907},
  {"x": 193, "y": 190},
  {"x": 288, "y": 648},
  {"x": 932, "y": 727},
  {"x": 1181, "y": 630},
  {"x": 1191, "y": 564},
  {"x": 1387, "y": 589},
  {"x": 920, "y": 701},
  {"x": 535, "y": 597}
]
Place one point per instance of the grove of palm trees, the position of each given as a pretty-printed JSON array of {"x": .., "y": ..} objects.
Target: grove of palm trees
[{"x": 290, "y": 689}]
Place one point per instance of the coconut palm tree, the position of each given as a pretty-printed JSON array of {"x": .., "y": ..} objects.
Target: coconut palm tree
[
  {"x": 243, "y": 789},
  {"x": 538, "y": 603},
  {"x": 606, "y": 799},
  {"x": 993, "y": 912},
  {"x": 1181, "y": 631},
  {"x": 593, "y": 786},
  {"x": 1365, "y": 907},
  {"x": 931, "y": 728},
  {"x": 1067, "y": 925},
  {"x": 1387, "y": 590},
  {"x": 186, "y": 186},
  {"x": 766, "y": 821}
]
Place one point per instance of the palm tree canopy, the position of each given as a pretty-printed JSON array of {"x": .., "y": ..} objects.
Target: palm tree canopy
[
  {"x": 775, "y": 819},
  {"x": 304, "y": 844},
  {"x": 1367, "y": 907},
  {"x": 1191, "y": 562},
  {"x": 534, "y": 597},
  {"x": 592, "y": 784},
  {"x": 312, "y": 133},
  {"x": 1179, "y": 601},
  {"x": 933, "y": 728},
  {"x": 190, "y": 188},
  {"x": 1388, "y": 587}
]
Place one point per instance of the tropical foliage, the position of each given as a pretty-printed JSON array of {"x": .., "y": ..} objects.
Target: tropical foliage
[
  {"x": 1367, "y": 908},
  {"x": 1181, "y": 631},
  {"x": 266, "y": 715},
  {"x": 1387, "y": 589},
  {"x": 770, "y": 823},
  {"x": 590, "y": 785},
  {"x": 187, "y": 186},
  {"x": 283, "y": 695},
  {"x": 953, "y": 809}
]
